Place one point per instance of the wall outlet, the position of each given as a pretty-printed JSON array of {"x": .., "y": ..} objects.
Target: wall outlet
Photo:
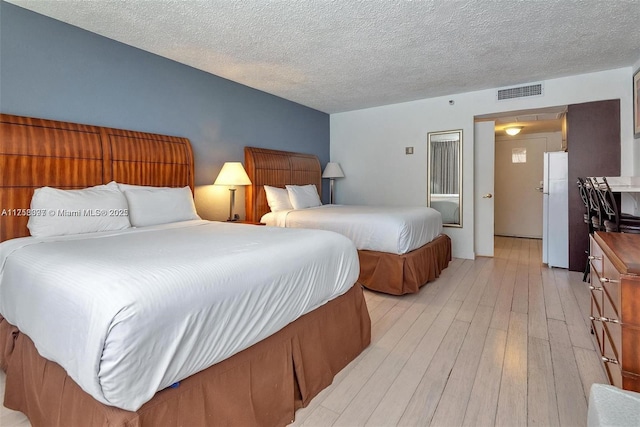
[{"x": 408, "y": 150}]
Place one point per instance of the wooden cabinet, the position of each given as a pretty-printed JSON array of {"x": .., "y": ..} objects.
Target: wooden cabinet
[{"x": 615, "y": 305}]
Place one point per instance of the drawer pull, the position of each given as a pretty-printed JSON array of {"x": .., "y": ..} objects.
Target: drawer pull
[
  {"x": 609, "y": 360},
  {"x": 604, "y": 319},
  {"x": 605, "y": 280},
  {"x": 593, "y": 257},
  {"x": 595, "y": 288},
  {"x": 610, "y": 320}
]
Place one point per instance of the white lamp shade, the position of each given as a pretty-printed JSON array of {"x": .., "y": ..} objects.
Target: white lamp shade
[
  {"x": 232, "y": 173},
  {"x": 333, "y": 170}
]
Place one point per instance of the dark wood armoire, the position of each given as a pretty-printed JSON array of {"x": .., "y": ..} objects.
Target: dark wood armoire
[{"x": 593, "y": 141}]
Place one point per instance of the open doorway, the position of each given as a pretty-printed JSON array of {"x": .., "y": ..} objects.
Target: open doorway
[{"x": 518, "y": 167}]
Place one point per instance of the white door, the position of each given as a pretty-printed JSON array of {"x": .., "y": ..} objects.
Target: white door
[
  {"x": 518, "y": 175},
  {"x": 484, "y": 149}
]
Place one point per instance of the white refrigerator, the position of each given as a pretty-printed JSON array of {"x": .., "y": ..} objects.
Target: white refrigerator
[{"x": 555, "y": 220}]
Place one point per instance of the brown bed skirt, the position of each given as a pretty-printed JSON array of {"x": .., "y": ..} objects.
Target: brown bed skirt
[
  {"x": 262, "y": 385},
  {"x": 404, "y": 274}
]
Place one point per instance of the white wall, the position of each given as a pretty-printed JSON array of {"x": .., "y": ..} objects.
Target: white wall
[{"x": 369, "y": 144}]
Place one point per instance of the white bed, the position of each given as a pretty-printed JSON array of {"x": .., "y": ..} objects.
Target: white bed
[
  {"x": 396, "y": 230},
  {"x": 127, "y": 313},
  {"x": 400, "y": 249}
]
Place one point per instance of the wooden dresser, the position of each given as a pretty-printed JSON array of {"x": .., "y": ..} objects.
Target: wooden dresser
[{"x": 615, "y": 305}]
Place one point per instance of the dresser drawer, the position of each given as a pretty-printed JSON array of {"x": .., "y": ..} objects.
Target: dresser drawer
[
  {"x": 597, "y": 292},
  {"x": 608, "y": 308},
  {"x": 612, "y": 342},
  {"x": 610, "y": 283},
  {"x": 610, "y": 354},
  {"x": 596, "y": 256},
  {"x": 598, "y": 334}
]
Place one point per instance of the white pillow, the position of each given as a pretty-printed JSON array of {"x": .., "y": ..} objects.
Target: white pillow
[
  {"x": 58, "y": 212},
  {"x": 303, "y": 196},
  {"x": 277, "y": 198},
  {"x": 157, "y": 205}
]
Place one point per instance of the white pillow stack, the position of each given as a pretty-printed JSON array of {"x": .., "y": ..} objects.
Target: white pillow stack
[{"x": 108, "y": 207}]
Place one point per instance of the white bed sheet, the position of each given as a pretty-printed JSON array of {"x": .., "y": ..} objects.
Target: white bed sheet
[
  {"x": 396, "y": 230},
  {"x": 129, "y": 313}
]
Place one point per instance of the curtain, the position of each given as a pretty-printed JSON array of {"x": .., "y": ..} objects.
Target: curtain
[{"x": 444, "y": 166}]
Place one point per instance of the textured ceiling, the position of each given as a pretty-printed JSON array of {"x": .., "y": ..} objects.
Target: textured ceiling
[{"x": 345, "y": 54}]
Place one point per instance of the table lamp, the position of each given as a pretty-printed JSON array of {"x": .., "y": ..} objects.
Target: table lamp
[
  {"x": 232, "y": 174},
  {"x": 331, "y": 171}
]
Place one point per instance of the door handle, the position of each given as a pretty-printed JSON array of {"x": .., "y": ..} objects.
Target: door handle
[
  {"x": 487, "y": 196},
  {"x": 540, "y": 189}
]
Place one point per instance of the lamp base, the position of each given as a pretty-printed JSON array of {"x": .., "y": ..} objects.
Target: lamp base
[
  {"x": 236, "y": 217},
  {"x": 331, "y": 191}
]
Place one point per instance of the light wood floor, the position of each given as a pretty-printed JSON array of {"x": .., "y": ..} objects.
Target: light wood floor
[{"x": 495, "y": 341}]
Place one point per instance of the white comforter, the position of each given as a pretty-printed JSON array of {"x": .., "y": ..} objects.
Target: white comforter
[
  {"x": 396, "y": 230},
  {"x": 129, "y": 313}
]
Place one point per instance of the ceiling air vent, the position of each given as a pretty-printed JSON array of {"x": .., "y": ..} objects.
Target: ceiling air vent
[{"x": 520, "y": 92}]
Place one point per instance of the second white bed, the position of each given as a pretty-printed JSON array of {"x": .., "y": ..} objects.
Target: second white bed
[{"x": 395, "y": 230}]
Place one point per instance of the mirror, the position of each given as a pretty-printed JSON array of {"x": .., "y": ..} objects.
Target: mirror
[{"x": 444, "y": 186}]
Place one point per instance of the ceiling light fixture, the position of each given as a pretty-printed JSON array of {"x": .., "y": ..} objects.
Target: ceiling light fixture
[{"x": 513, "y": 130}]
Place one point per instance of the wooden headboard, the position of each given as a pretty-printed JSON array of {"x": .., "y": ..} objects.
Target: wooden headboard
[
  {"x": 37, "y": 152},
  {"x": 277, "y": 169}
]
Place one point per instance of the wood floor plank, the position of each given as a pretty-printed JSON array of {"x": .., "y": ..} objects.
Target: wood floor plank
[
  {"x": 455, "y": 397},
  {"x": 537, "y": 312},
  {"x": 572, "y": 404},
  {"x": 542, "y": 407},
  {"x": 424, "y": 401},
  {"x": 462, "y": 289},
  {"x": 502, "y": 307},
  {"x": 552, "y": 303},
  {"x": 321, "y": 417},
  {"x": 483, "y": 401},
  {"x": 413, "y": 326},
  {"x": 396, "y": 399},
  {"x": 342, "y": 395},
  {"x": 521, "y": 288},
  {"x": 574, "y": 318},
  {"x": 590, "y": 369},
  {"x": 512, "y": 403},
  {"x": 468, "y": 309},
  {"x": 373, "y": 299},
  {"x": 381, "y": 309},
  {"x": 581, "y": 293},
  {"x": 490, "y": 294}
]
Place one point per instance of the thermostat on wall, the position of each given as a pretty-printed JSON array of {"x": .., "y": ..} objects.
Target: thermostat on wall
[{"x": 408, "y": 150}]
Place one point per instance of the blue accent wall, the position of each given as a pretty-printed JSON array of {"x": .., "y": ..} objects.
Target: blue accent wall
[{"x": 52, "y": 70}]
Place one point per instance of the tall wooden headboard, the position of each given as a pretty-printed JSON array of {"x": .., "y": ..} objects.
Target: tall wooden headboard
[
  {"x": 37, "y": 152},
  {"x": 277, "y": 169}
]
